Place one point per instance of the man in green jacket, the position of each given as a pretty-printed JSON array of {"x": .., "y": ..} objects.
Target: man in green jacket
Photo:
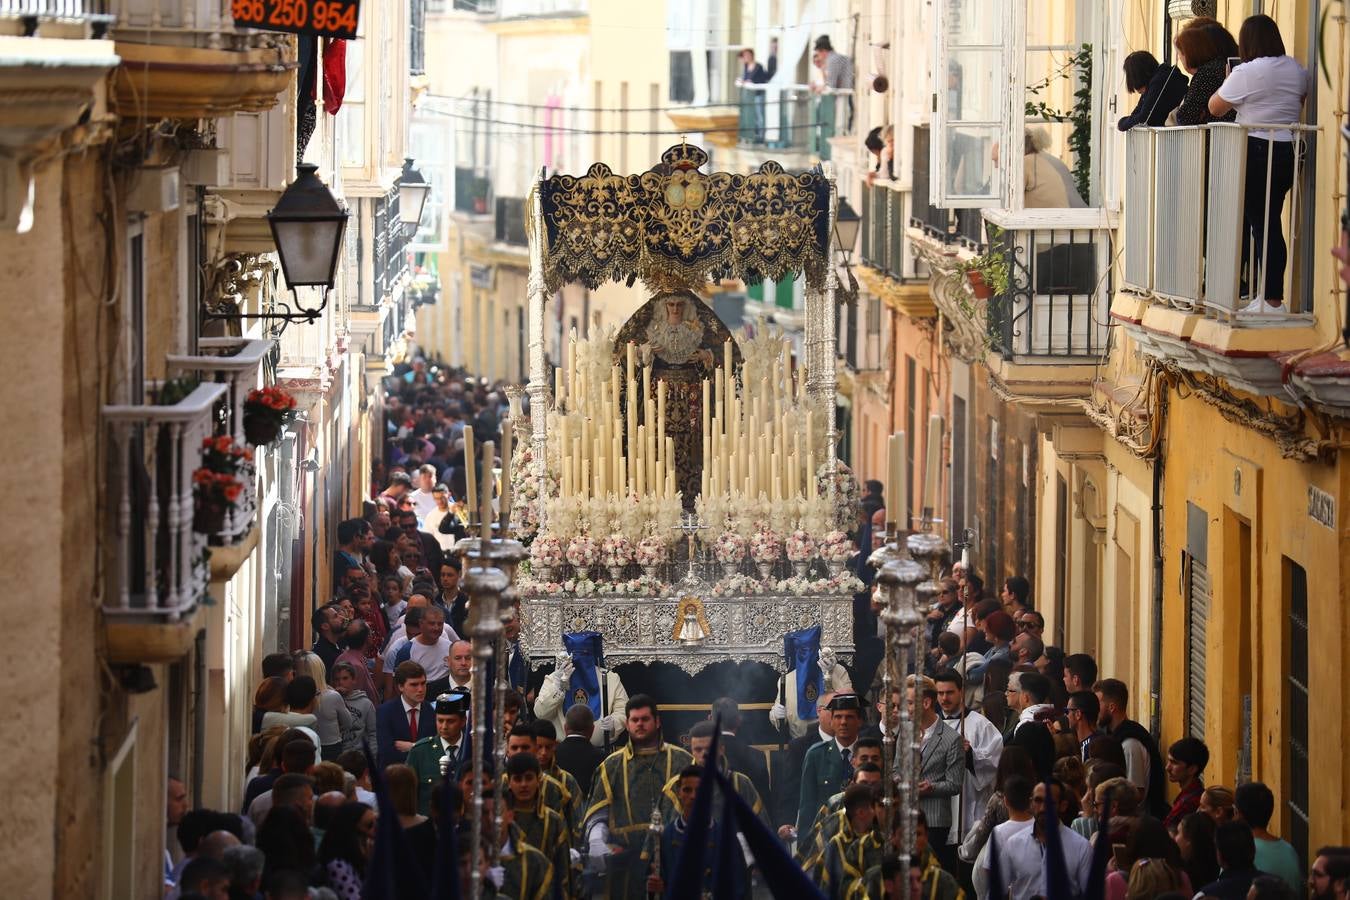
[{"x": 425, "y": 755}]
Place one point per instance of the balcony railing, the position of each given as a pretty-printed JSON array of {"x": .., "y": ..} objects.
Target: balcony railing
[
  {"x": 1059, "y": 294},
  {"x": 883, "y": 229},
  {"x": 792, "y": 117},
  {"x": 390, "y": 246},
  {"x": 473, "y": 192},
  {"x": 1185, "y": 193},
  {"x": 159, "y": 565},
  {"x": 35, "y": 13},
  {"x": 237, "y": 364}
]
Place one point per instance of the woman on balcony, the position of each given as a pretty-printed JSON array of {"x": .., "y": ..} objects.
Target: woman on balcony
[
  {"x": 1203, "y": 48},
  {"x": 1160, "y": 89},
  {"x": 1267, "y": 88}
]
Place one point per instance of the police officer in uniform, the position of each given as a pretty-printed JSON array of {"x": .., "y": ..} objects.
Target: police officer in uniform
[{"x": 449, "y": 740}]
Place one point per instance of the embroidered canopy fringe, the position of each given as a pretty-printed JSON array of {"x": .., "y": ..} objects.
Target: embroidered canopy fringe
[{"x": 673, "y": 223}]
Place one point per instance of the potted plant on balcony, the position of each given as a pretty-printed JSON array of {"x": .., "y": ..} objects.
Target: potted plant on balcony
[
  {"x": 218, "y": 484},
  {"x": 988, "y": 273},
  {"x": 266, "y": 412}
]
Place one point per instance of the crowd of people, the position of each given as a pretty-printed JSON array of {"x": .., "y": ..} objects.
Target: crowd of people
[{"x": 1023, "y": 749}]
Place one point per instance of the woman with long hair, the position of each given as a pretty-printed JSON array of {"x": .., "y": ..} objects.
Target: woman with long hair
[
  {"x": 1216, "y": 802},
  {"x": 418, "y": 830},
  {"x": 270, "y": 695},
  {"x": 1268, "y": 87},
  {"x": 1149, "y": 866},
  {"x": 287, "y": 842},
  {"x": 334, "y": 721},
  {"x": 345, "y": 849},
  {"x": 1195, "y": 843}
]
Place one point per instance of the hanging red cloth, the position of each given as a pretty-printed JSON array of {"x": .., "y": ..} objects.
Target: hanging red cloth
[{"x": 334, "y": 74}]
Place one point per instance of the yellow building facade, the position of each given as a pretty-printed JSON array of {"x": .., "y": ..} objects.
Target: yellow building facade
[{"x": 1168, "y": 470}]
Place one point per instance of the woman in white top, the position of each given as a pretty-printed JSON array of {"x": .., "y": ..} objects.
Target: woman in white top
[
  {"x": 334, "y": 719},
  {"x": 1267, "y": 88}
]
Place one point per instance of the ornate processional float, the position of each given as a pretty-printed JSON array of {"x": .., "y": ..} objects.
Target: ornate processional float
[{"x": 678, "y": 487}]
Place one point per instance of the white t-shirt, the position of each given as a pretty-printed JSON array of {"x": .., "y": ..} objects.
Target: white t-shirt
[
  {"x": 432, "y": 658},
  {"x": 423, "y": 502},
  {"x": 1269, "y": 90}
]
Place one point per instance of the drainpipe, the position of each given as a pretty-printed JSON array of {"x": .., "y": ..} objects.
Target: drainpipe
[
  {"x": 198, "y": 716},
  {"x": 1155, "y": 657}
]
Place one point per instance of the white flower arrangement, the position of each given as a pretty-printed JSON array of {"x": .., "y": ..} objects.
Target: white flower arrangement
[
  {"x": 582, "y": 552},
  {"x": 836, "y": 547},
  {"x": 545, "y": 588},
  {"x": 616, "y": 550},
  {"x": 643, "y": 586},
  {"x": 580, "y": 586},
  {"x": 801, "y": 547},
  {"x": 651, "y": 551},
  {"x": 845, "y": 583},
  {"x": 766, "y": 546},
  {"x": 845, "y": 510},
  {"x": 739, "y": 585},
  {"x": 730, "y": 547},
  {"x": 547, "y": 551}
]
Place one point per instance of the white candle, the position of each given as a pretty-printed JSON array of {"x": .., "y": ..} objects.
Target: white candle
[
  {"x": 485, "y": 492},
  {"x": 631, "y": 362},
  {"x": 470, "y": 473},
  {"x": 897, "y": 510},
  {"x": 933, "y": 457},
  {"x": 559, "y": 392},
  {"x": 585, "y": 478},
  {"x": 504, "y": 508},
  {"x": 811, "y": 474}
]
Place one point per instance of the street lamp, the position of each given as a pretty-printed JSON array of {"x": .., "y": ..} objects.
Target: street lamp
[
  {"x": 846, "y": 225},
  {"x": 413, "y": 191},
  {"x": 307, "y": 226}
]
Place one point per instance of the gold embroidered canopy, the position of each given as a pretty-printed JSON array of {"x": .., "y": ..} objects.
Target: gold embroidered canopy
[{"x": 673, "y": 222}]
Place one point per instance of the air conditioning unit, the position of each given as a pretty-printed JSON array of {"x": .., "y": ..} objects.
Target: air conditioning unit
[
  {"x": 1189, "y": 9},
  {"x": 208, "y": 167},
  {"x": 154, "y": 189}
]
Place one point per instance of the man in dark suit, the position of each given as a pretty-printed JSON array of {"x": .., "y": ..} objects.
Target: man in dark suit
[
  {"x": 788, "y": 793},
  {"x": 575, "y": 753},
  {"x": 406, "y": 719},
  {"x": 741, "y": 756},
  {"x": 827, "y": 767}
]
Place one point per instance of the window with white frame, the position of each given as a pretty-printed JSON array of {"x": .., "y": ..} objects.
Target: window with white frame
[
  {"x": 352, "y": 116},
  {"x": 1018, "y": 105}
]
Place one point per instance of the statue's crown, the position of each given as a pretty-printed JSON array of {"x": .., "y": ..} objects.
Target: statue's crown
[{"x": 685, "y": 156}]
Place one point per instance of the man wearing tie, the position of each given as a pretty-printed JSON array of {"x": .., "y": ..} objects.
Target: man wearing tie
[
  {"x": 517, "y": 666},
  {"x": 402, "y": 721},
  {"x": 425, "y": 756},
  {"x": 941, "y": 765},
  {"x": 828, "y": 765}
]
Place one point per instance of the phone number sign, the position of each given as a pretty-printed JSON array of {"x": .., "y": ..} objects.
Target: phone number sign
[{"x": 324, "y": 18}]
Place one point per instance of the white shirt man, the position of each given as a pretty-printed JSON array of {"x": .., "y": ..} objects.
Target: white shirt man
[
  {"x": 423, "y": 501},
  {"x": 431, "y": 522},
  {"x": 1022, "y": 858},
  {"x": 431, "y": 647},
  {"x": 985, "y": 744}
]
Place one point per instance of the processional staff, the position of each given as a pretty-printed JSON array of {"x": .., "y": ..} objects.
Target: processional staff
[{"x": 491, "y": 565}]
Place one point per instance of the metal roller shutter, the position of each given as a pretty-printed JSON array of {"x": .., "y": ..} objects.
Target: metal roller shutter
[{"x": 1197, "y": 628}]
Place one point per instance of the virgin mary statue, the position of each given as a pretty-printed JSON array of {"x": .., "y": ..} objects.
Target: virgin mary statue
[{"x": 682, "y": 339}]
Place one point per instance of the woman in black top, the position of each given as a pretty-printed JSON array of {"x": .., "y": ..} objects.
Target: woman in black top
[
  {"x": 1161, "y": 89},
  {"x": 1203, "y": 50}
]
